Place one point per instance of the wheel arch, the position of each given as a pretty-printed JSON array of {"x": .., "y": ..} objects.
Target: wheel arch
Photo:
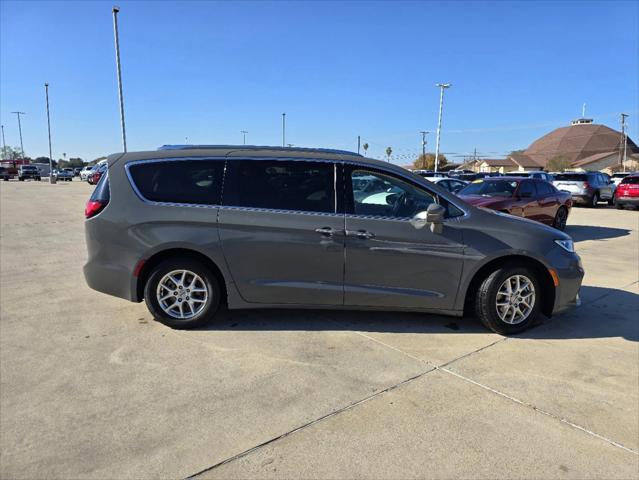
[
  {"x": 543, "y": 275},
  {"x": 158, "y": 257}
]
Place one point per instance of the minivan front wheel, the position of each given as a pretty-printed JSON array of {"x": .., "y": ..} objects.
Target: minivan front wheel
[
  {"x": 509, "y": 299},
  {"x": 181, "y": 293}
]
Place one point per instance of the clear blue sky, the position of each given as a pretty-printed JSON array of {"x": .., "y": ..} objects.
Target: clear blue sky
[{"x": 206, "y": 70}]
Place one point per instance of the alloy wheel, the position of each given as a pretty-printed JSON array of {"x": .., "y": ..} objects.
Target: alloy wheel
[
  {"x": 182, "y": 294},
  {"x": 515, "y": 299}
]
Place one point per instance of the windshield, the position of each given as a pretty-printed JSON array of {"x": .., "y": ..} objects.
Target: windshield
[{"x": 491, "y": 188}]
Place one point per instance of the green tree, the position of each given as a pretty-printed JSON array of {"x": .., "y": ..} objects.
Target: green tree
[
  {"x": 9, "y": 153},
  {"x": 389, "y": 152},
  {"x": 41, "y": 160},
  {"x": 558, "y": 164},
  {"x": 365, "y": 147},
  {"x": 427, "y": 162}
]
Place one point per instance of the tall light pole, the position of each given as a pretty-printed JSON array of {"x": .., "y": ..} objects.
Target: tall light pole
[
  {"x": 424, "y": 148},
  {"x": 624, "y": 138},
  {"x": 46, "y": 94},
  {"x": 117, "y": 62},
  {"x": 243, "y": 132},
  {"x": 20, "y": 130},
  {"x": 359, "y": 141},
  {"x": 4, "y": 144},
  {"x": 442, "y": 87},
  {"x": 284, "y": 129}
]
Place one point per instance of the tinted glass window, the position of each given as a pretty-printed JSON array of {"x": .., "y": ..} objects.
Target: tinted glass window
[
  {"x": 283, "y": 185},
  {"x": 180, "y": 181},
  {"x": 527, "y": 189},
  {"x": 545, "y": 188},
  {"x": 386, "y": 196},
  {"x": 572, "y": 177},
  {"x": 631, "y": 180},
  {"x": 490, "y": 188}
]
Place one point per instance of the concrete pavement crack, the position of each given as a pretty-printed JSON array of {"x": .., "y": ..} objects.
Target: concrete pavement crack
[{"x": 312, "y": 422}]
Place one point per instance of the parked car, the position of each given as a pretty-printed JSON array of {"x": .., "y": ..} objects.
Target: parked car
[
  {"x": 288, "y": 230},
  {"x": 529, "y": 198},
  {"x": 618, "y": 177},
  {"x": 94, "y": 176},
  {"x": 537, "y": 174},
  {"x": 5, "y": 174},
  {"x": 64, "y": 174},
  {"x": 430, "y": 173},
  {"x": 453, "y": 185},
  {"x": 628, "y": 192},
  {"x": 85, "y": 172},
  {"x": 28, "y": 172},
  {"x": 76, "y": 171},
  {"x": 586, "y": 188}
]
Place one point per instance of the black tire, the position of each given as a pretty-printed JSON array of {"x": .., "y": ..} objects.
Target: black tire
[
  {"x": 486, "y": 298},
  {"x": 561, "y": 217},
  {"x": 612, "y": 200},
  {"x": 618, "y": 206},
  {"x": 182, "y": 263},
  {"x": 594, "y": 200}
]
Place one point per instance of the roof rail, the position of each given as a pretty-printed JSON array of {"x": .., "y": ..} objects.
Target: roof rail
[{"x": 258, "y": 147}]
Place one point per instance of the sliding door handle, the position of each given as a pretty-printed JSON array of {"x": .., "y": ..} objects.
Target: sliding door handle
[{"x": 361, "y": 234}]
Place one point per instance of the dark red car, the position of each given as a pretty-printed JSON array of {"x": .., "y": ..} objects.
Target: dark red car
[
  {"x": 524, "y": 197},
  {"x": 627, "y": 192}
]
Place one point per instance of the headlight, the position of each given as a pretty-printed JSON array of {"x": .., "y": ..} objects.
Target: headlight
[{"x": 567, "y": 245}]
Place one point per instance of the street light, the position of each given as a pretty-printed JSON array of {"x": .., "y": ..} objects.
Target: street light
[
  {"x": 442, "y": 87},
  {"x": 20, "y": 130},
  {"x": 284, "y": 129},
  {"x": 4, "y": 145},
  {"x": 119, "y": 69},
  {"x": 46, "y": 93},
  {"x": 243, "y": 132}
]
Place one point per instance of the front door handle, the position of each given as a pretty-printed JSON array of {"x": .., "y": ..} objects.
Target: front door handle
[{"x": 361, "y": 234}]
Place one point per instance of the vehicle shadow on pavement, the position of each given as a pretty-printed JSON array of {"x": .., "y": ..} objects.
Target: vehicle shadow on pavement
[
  {"x": 606, "y": 312},
  {"x": 579, "y": 233}
]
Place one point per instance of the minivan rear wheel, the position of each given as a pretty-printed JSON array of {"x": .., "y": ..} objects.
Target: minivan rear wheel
[
  {"x": 182, "y": 293},
  {"x": 508, "y": 300}
]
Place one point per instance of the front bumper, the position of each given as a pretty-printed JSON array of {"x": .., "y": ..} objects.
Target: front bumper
[{"x": 567, "y": 292}]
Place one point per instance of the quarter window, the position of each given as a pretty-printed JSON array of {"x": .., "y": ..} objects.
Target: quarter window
[
  {"x": 180, "y": 181},
  {"x": 282, "y": 185},
  {"x": 545, "y": 188}
]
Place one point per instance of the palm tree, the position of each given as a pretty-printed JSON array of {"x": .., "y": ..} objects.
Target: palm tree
[
  {"x": 365, "y": 147},
  {"x": 389, "y": 151}
]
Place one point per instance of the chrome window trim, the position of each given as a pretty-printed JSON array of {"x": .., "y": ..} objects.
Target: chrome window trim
[{"x": 128, "y": 165}]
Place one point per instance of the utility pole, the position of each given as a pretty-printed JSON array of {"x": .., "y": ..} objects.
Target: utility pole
[
  {"x": 243, "y": 132},
  {"x": 624, "y": 139},
  {"x": 424, "y": 133},
  {"x": 20, "y": 130},
  {"x": 284, "y": 129},
  {"x": 46, "y": 93},
  {"x": 442, "y": 87},
  {"x": 359, "y": 140},
  {"x": 4, "y": 145},
  {"x": 119, "y": 69}
]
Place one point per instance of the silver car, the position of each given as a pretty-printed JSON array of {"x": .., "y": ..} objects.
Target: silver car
[{"x": 188, "y": 228}]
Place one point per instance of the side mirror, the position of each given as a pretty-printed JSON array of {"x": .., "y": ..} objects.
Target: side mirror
[{"x": 433, "y": 215}]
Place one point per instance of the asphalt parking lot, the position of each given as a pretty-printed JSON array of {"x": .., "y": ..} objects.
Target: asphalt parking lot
[{"x": 92, "y": 387}]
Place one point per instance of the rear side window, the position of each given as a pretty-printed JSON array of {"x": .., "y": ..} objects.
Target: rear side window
[
  {"x": 631, "y": 180},
  {"x": 527, "y": 189},
  {"x": 281, "y": 185},
  {"x": 197, "y": 182},
  {"x": 545, "y": 188}
]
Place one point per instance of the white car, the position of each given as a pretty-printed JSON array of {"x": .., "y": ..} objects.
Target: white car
[
  {"x": 84, "y": 173},
  {"x": 453, "y": 185},
  {"x": 618, "y": 177}
]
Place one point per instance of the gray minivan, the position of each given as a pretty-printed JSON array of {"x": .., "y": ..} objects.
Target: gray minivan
[{"x": 188, "y": 228}]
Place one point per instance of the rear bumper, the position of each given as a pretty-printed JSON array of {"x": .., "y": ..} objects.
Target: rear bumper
[{"x": 627, "y": 201}]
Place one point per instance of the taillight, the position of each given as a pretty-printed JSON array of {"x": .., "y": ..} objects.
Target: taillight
[
  {"x": 94, "y": 207},
  {"x": 586, "y": 185}
]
